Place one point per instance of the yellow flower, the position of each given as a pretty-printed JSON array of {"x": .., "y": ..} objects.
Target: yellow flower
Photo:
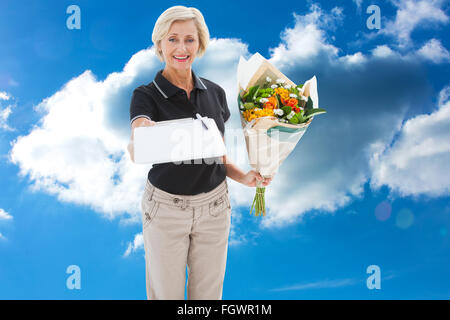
[
  {"x": 284, "y": 93},
  {"x": 251, "y": 114}
]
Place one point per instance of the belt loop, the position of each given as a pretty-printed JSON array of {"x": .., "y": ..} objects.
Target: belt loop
[
  {"x": 183, "y": 205},
  {"x": 151, "y": 194},
  {"x": 152, "y": 191}
]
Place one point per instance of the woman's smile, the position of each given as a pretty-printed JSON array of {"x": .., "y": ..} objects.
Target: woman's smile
[{"x": 181, "y": 58}]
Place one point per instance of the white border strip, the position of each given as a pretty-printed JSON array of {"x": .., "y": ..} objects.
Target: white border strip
[
  {"x": 140, "y": 116},
  {"x": 204, "y": 87},
  {"x": 159, "y": 89}
]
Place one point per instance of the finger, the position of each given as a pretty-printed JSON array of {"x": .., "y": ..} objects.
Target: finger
[{"x": 256, "y": 175}]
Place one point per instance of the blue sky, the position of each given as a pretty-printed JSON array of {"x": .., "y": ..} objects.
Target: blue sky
[{"x": 368, "y": 184}]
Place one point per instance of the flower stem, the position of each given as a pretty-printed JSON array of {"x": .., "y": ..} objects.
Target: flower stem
[{"x": 259, "y": 202}]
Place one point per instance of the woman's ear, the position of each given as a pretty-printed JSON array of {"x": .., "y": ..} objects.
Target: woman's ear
[{"x": 158, "y": 49}]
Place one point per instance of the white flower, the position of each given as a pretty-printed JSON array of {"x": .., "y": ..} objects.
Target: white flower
[
  {"x": 281, "y": 81},
  {"x": 300, "y": 89},
  {"x": 304, "y": 98},
  {"x": 257, "y": 109},
  {"x": 274, "y": 86},
  {"x": 263, "y": 100},
  {"x": 292, "y": 95},
  {"x": 278, "y": 112},
  {"x": 288, "y": 86},
  {"x": 268, "y": 79},
  {"x": 290, "y": 115}
]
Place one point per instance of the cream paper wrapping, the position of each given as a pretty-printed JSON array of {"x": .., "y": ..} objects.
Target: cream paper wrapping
[{"x": 269, "y": 141}]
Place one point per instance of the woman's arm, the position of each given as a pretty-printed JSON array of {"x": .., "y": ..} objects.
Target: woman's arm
[
  {"x": 233, "y": 171},
  {"x": 249, "y": 179}
]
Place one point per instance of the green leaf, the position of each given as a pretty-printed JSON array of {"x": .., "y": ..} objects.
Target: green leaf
[
  {"x": 286, "y": 110},
  {"x": 301, "y": 118},
  {"x": 248, "y": 96},
  {"x": 240, "y": 101},
  {"x": 255, "y": 94},
  {"x": 309, "y": 104},
  {"x": 248, "y": 105},
  {"x": 280, "y": 104},
  {"x": 313, "y": 112},
  {"x": 294, "y": 119}
]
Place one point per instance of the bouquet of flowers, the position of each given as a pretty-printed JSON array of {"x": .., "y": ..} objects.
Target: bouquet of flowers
[{"x": 275, "y": 113}]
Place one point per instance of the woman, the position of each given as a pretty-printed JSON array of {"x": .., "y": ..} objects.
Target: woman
[{"x": 186, "y": 207}]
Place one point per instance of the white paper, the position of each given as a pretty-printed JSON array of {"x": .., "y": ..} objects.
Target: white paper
[
  {"x": 247, "y": 68},
  {"x": 178, "y": 140}
]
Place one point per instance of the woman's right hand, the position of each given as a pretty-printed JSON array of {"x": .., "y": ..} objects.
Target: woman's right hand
[
  {"x": 139, "y": 122},
  {"x": 142, "y": 122}
]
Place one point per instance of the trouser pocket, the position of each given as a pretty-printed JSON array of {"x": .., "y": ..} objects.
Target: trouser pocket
[
  {"x": 220, "y": 205},
  {"x": 149, "y": 207}
]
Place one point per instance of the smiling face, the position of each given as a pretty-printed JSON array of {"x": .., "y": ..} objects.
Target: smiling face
[{"x": 180, "y": 45}]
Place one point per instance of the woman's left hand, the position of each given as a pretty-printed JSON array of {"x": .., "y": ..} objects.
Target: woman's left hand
[{"x": 252, "y": 177}]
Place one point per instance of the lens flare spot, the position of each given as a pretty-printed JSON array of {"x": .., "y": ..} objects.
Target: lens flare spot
[
  {"x": 383, "y": 211},
  {"x": 404, "y": 219}
]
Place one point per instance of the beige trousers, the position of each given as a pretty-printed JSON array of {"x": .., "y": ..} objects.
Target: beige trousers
[{"x": 182, "y": 230}]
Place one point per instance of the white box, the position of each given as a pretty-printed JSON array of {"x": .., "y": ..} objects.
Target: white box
[{"x": 178, "y": 140}]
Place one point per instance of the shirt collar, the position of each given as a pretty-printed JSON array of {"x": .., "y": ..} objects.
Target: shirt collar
[{"x": 167, "y": 89}]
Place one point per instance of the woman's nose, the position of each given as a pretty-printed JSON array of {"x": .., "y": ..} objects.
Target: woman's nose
[{"x": 181, "y": 46}]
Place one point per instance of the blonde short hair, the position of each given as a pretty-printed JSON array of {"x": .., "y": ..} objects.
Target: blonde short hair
[{"x": 180, "y": 13}]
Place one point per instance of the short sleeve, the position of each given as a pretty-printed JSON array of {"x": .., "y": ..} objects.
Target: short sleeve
[
  {"x": 225, "y": 110},
  {"x": 142, "y": 105}
]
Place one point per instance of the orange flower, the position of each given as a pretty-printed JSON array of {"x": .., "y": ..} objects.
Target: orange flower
[
  {"x": 273, "y": 101},
  {"x": 292, "y": 102}
]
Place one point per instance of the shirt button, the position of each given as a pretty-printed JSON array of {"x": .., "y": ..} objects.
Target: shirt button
[{"x": 175, "y": 200}]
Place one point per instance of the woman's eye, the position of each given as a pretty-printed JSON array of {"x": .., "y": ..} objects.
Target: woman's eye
[
  {"x": 172, "y": 39},
  {"x": 190, "y": 40}
]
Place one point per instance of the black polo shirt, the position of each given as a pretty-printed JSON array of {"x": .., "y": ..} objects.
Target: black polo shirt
[{"x": 161, "y": 100}]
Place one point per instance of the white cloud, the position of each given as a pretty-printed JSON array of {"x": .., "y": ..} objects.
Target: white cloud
[
  {"x": 354, "y": 59},
  {"x": 77, "y": 153},
  {"x": 382, "y": 51},
  {"x": 4, "y": 95},
  {"x": 418, "y": 162},
  {"x": 137, "y": 244},
  {"x": 4, "y": 115},
  {"x": 5, "y": 215},
  {"x": 5, "y": 112},
  {"x": 434, "y": 50},
  {"x": 358, "y": 3},
  {"x": 412, "y": 14},
  {"x": 307, "y": 39}
]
